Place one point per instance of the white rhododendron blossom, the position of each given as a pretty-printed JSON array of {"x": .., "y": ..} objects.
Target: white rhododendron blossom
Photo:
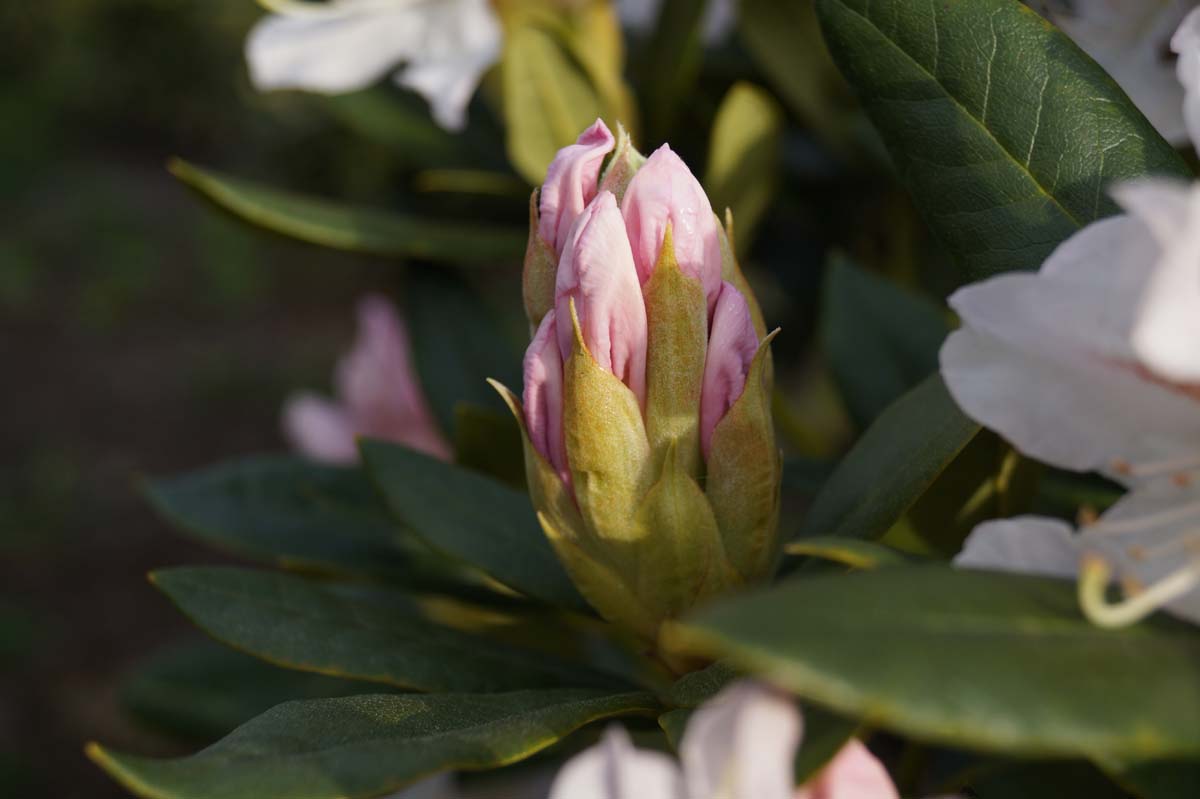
[
  {"x": 437, "y": 48},
  {"x": 1130, "y": 39},
  {"x": 741, "y": 743},
  {"x": 339, "y": 46},
  {"x": 1093, "y": 364}
]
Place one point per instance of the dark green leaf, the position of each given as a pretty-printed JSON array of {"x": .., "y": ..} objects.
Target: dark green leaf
[
  {"x": 1042, "y": 780},
  {"x": 1158, "y": 779},
  {"x": 357, "y": 633},
  {"x": 1006, "y": 134},
  {"x": 1001, "y": 662},
  {"x": 671, "y": 64},
  {"x": 853, "y": 552},
  {"x": 202, "y": 690},
  {"x": 473, "y": 518},
  {"x": 365, "y": 746},
  {"x": 489, "y": 441},
  {"x": 825, "y": 733},
  {"x": 892, "y": 464},
  {"x": 457, "y": 344},
  {"x": 880, "y": 339},
  {"x": 692, "y": 690},
  {"x": 673, "y": 724},
  {"x": 342, "y": 227},
  {"x": 287, "y": 510}
]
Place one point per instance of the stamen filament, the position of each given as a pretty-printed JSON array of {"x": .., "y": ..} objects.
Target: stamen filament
[
  {"x": 1156, "y": 468},
  {"x": 1094, "y": 576}
]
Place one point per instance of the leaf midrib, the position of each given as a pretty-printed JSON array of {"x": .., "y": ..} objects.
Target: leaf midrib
[{"x": 966, "y": 112}]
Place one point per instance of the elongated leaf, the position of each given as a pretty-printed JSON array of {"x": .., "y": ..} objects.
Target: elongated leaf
[
  {"x": 365, "y": 746},
  {"x": 457, "y": 344},
  {"x": 880, "y": 340},
  {"x": 343, "y": 227},
  {"x": 743, "y": 157},
  {"x": 201, "y": 690},
  {"x": 289, "y": 511},
  {"x": 853, "y": 552},
  {"x": 892, "y": 464},
  {"x": 1003, "y": 662},
  {"x": 358, "y": 634},
  {"x": 1006, "y": 134},
  {"x": 1158, "y": 779},
  {"x": 473, "y": 518}
]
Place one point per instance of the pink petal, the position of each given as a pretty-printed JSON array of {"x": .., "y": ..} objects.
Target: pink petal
[
  {"x": 571, "y": 183},
  {"x": 319, "y": 429},
  {"x": 665, "y": 191},
  {"x": 597, "y": 272},
  {"x": 379, "y": 385},
  {"x": 616, "y": 769},
  {"x": 854, "y": 773},
  {"x": 732, "y": 343},
  {"x": 543, "y": 396}
]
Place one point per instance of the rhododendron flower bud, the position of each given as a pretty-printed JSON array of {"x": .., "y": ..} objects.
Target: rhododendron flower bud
[
  {"x": 378, "y": 395},
  {"x": 666, "y": 193},
  {"x": 651, "y": 455}
]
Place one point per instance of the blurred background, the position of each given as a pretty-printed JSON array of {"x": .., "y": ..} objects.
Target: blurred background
[{"x": 144, "y": 333}]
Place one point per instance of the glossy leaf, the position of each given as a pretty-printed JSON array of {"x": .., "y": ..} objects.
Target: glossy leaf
[
  {"x": 201, "y": 690},
  {"x": 1001, "y": 662},
  {"x": 472, "y": 518},
  {"x": 852, "y": 552},
  {"x": 489, "y": 441},
  {"x": 343, "y": 227},
  {"x": 891, "y": 465},
  {"x": 457, "y": 343},
  {"x": 365, "y": 746},
  {"x": 743, "y": 157},
  {"x": 1006, "y": 134},
  {"x": 880, "y": 339},
  {"x": 362, "y": 634},
  {"x": 287, "y": 510}
]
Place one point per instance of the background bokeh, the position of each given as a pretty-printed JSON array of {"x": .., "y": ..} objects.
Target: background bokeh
[{"x": 140, "y": 333}]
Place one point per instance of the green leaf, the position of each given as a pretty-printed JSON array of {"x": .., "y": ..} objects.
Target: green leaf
[
  {"x": 671, "y": 64},
  {"x": 555, "y": 85},
  {"x": 201, "y": 690},
  {"x": 365, "y": 746},
  {"x": 472, "y": 518},
  {"x": 1006, "y": 134},
  {"x": 852, "y": 552},
  {"x": 288, "y": 511},
  {"x": 880, "y": 339},
  {"x": 401, "y": 122},
  {"x": 357, "y": 633},
  {"x": 457, "y": 343},
  {"x": 342, "y": 227},
  {"x": 1158, "y": 779},
  {"x": 489, "y": 442},
  {"x": 743, "y": 158},
  {"x": 891, "y": 465},
  {"x": 673, "y": 724},
  {"x": 993, "y": 661},
  {"x": 785, "y": 41}
]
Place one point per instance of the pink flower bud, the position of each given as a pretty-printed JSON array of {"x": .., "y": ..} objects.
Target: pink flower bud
[
  {"x": 571, "y": 183},
  {"x": 665, "y": 191},
  {"x": 597, "y": 272},
  {"x": 379, "y": 395},
  {"x": 732, "y": 343},
  {"x": 854, "y": 773},
  {"x": 543, "y": 397}
]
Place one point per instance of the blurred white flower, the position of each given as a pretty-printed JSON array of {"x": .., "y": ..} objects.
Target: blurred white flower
[
  {"x": 641, "y": 16},
  {"x": 1093, "y": 364},
  {"x": 1129, "y": 38},
  {"x": 741, "y": 743},
  {"x": 378, "y": 395},
  {"x": 338, "y": 46}
]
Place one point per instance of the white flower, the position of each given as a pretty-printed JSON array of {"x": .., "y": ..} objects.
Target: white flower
[
  {"x": 739, "y": 744},
  {"x": 1129, "y": 39},
  {"x": 1093, "y": 364},
  {"x": 345, "y": 45}
]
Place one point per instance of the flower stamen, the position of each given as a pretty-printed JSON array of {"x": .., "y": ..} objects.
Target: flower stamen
[
  {"x": 1094, "y": 575},
  {"x": 1146, "y": 521},
  {"x": 1177, "y": 468}
]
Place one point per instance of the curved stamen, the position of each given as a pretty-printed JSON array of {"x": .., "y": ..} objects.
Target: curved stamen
[{"x": 1094, "y": 575}]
